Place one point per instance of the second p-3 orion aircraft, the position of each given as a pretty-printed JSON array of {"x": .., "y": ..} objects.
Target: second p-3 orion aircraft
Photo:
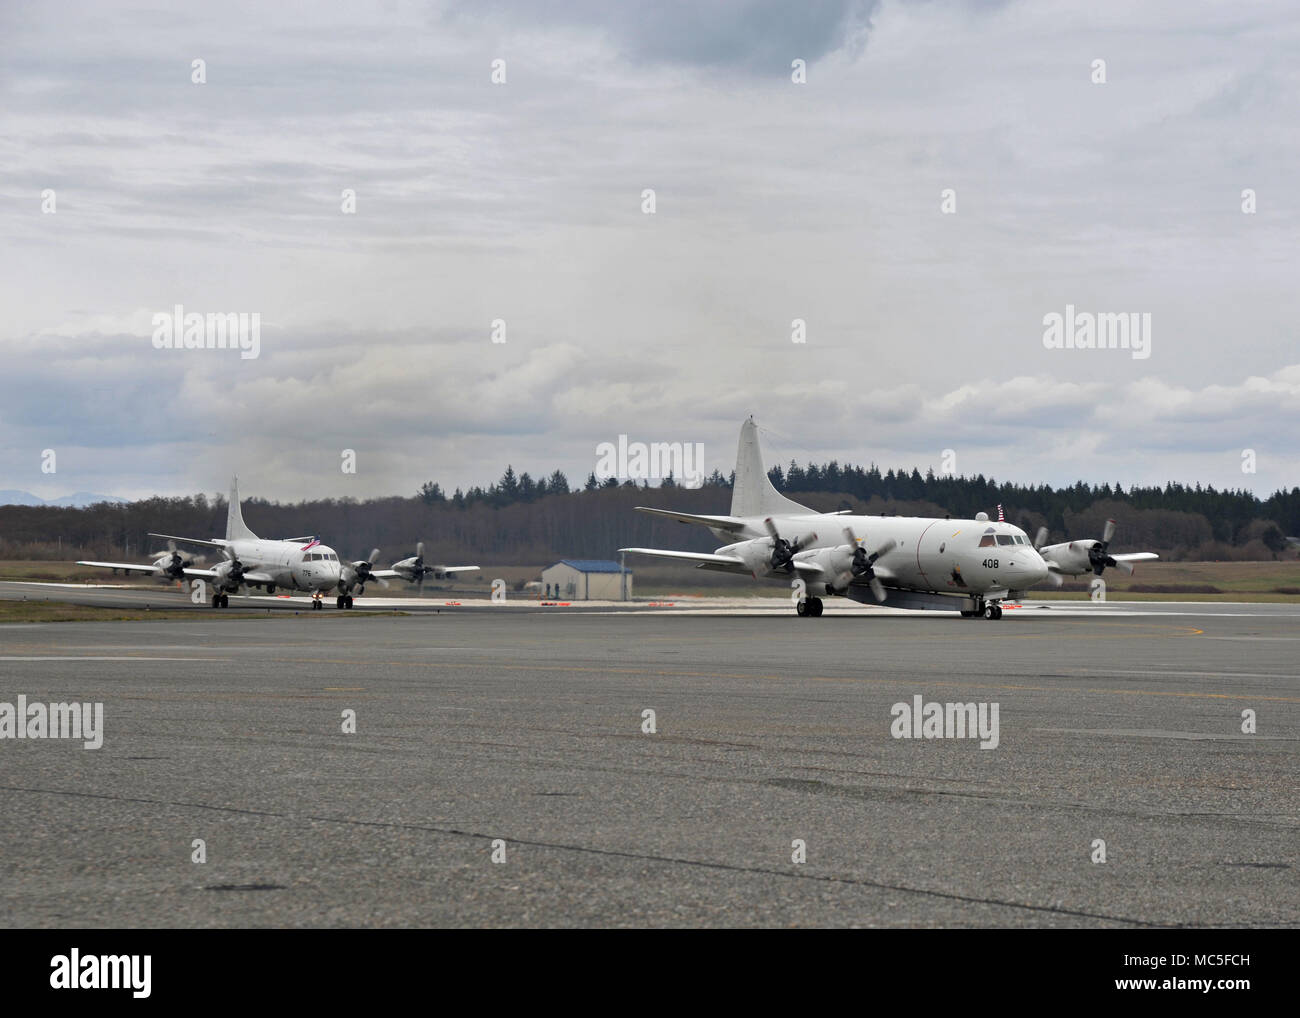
[
  {"x": 298, "y": 563},
  {"x": 970, "y": 566}
]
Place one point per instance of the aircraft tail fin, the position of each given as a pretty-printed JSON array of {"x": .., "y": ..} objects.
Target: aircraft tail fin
[
  {"x": 753, "y": 493},
  {"x": 236, "y": 529}
]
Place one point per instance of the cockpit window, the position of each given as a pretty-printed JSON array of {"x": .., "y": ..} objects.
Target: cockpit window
[
  {"x": 1006, "y": 539},
  {"x": 1021, "y": 539},
  {"x": 987, "y": 541}
]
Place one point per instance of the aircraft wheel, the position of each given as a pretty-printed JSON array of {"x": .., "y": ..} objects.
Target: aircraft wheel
[
  {"x": 216, "y": 600},
  {"x": 816, "y": 607},
  {"x": 347, "y": 601},
  {"x": 338, "y": 601},
  {"x": 990, "y": 611},
  {"x": 802, "y": 608},
  {"x": 997, "y": 611},
  {"x": 270, "y": 588},
  {"x": 225, "y": 600}
]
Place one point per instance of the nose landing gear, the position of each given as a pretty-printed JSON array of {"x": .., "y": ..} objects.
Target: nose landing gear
[{"x": 991, "y": 610}]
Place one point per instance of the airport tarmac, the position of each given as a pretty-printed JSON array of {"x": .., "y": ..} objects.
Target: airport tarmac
[{"x": 525, "y": 726}]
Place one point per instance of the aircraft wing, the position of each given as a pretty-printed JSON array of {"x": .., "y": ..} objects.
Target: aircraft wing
[
  {"x": 131, "y": 567},
  {"x": 135, "y": 567},
  {"x": 723, "y": 563},
  {"x": 452, "y": 570},
  {"x": 384, "y": 574},
  {"x": 719, "y": 563},
  {"x": 1136, "y": 556},
  {"x": 191, "y": 540},
  {"x": 722, "y": 522}
]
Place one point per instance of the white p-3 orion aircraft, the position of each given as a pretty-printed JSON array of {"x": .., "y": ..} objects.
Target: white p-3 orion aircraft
[
  {"x": 298, "y": 563},
  {"x": 970, "y": 566}
]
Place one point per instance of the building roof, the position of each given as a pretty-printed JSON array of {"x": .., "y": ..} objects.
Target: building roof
[{"x": 591, "y": 565}]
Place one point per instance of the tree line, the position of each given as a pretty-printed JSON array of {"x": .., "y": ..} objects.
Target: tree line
[{"x": 522, "y": 520}]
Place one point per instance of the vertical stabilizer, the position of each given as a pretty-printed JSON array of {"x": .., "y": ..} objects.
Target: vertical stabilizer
[
  {"x": 753, "y": 494},
  {"x": 236, "y": 530}
]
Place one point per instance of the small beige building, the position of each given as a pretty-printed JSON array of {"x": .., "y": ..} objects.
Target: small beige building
[{"x": 587, "y": 579}]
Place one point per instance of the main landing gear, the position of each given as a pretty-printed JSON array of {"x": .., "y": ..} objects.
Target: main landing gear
[
  {"x": 991, "y": 610},
  {"x": 344, "y": 601},
  {"x": 809, "y": 607},
  {"x": 220, "y": 600}
]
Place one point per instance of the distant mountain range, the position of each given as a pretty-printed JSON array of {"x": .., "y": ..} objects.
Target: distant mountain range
[{"x": 77, "y": 500}]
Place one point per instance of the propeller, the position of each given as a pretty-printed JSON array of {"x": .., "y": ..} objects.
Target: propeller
[
  {"x": 362, "y": 572},
  {"x": 419, "y": 566},
  {"x": 1040, "y": 539},
  {"x": 176, "y": 566},
  {"x": 171, "y": 563},
  {"x": 1098, "y": 557},
  {"x": 783, "y": 551},
  {"x": 236, "y": 572},
  {"x": 862, "y": 564}
]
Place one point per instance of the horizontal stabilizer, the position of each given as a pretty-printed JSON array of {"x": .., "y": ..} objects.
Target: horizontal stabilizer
[{"x": 191, "y": 540}]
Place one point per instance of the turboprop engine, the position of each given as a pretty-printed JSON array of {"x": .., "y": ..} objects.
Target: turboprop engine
[
  {"x": 850, "y": 562},
  {"x": 358, "y": 574},
  {"x": 1077, "y": 557},
  {"x": 229, "y": 576},
  {"x": 764, "y": 556}
]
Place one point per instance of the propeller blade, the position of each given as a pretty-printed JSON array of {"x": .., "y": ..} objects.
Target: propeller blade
[
  {"x": 1108, "y": 533},
  {"x": 1126, "y": 567},
  {"x": 381, "y": 581},
  {"x": 877, "y": 589},
  {"x": 1055, "y": 579},
  {"x": 374, "y": 556},
  {"x": 884, "y": 549},
  {"x": 1040, "y": 538},
  {"x": 771, "y": 529}
]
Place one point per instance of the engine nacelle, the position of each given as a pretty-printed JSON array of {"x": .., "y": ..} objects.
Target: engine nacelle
[
  {"x": 229, "y": 577},
  {"x": 836, "y": 564},
  {"x": 1070, "y": 558},
  {"x": 755, "y": 553},
  {"x": 409, "y": 569}
]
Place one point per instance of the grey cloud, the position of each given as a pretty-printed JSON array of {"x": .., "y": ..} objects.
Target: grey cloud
[{"x": 757, "y": 35}]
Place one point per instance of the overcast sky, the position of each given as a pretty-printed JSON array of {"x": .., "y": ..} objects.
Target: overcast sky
[{"x": 522, "y": 201}]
